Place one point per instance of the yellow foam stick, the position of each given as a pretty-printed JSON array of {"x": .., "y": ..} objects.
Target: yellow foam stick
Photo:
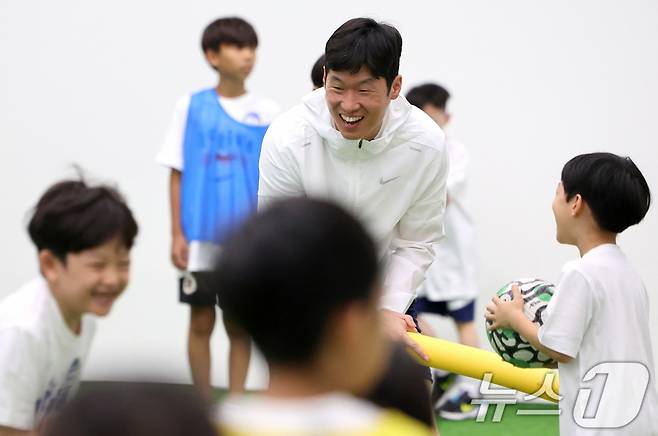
[{"x": 476, "y": 363}]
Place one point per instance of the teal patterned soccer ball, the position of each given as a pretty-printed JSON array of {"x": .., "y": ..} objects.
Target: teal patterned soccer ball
[{"x": 513, "y": 347}]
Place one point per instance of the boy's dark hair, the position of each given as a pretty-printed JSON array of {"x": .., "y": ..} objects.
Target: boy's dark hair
[
  {"x": 317, "y": 72},
  {"x": 612, "y": 186},
  {"x": 230, "y": 30},
  {"x": 133, "y": 410},
  {"x": 363, "y": 42},
  {"x": 71, "y": 217},
  {"x": 289, "y": 269},
  {"x": 429, "y": 93}
]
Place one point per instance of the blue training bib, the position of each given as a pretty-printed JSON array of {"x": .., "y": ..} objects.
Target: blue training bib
[{"x": 219, "y": 185}]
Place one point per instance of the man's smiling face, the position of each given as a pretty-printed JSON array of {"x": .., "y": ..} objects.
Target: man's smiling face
[{"x": 358, "y": 102}]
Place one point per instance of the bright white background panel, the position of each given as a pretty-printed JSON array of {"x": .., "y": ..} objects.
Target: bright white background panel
[{"x": 533, "y": 84}]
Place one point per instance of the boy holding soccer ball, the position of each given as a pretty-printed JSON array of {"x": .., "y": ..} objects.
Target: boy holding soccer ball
[{"x": 598, "y": 320}]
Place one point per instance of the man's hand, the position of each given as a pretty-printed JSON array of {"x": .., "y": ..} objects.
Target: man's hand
[
  {"x": 179, "y": 251},
  {"x": 504, "y": 314},
  {"x": 396, "y": 326}
]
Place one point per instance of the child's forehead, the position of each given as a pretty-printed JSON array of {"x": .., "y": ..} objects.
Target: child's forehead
[
  {"x": 112, "y": 247},
  {"x": 236, "y": 44}
]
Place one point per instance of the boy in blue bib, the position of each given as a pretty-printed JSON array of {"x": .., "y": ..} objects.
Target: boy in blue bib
[{"x": 212, "y": 148}]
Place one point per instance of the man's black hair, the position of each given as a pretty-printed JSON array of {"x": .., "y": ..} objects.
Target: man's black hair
[
  {"x": 71, "y": 217},
  {"x": 429, "y": 93},
  {"x": 284, "y": 274},
  {"x": 229, "y": 30},
  {"x": 363, "y": 42},
  {"x": 317, "y": 72},
  {"x": 612, "y": 186}
]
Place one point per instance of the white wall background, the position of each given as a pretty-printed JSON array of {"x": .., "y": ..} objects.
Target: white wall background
[{"x": 534, "y": 83}]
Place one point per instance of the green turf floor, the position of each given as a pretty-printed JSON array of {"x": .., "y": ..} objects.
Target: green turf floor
[{"x": 511, "y": 424}]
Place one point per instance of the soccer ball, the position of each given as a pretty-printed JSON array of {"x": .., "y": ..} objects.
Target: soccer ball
[{"x": 513, "y": 347}]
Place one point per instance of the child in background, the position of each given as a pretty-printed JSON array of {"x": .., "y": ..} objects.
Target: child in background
[
  {"x": 599, "y": 314},
  {"x": 212, "y": 149},
  {"x": 83, "y": 236},
  {"x": 450, "y": 288},
  {"x": 317, "y": 73}
]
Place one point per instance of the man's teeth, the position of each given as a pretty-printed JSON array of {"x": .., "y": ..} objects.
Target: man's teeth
[{"x": 349, "y": 119}]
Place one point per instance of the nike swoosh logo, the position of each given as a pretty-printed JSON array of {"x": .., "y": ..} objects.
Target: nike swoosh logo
[{"x": 385, "y": 181}]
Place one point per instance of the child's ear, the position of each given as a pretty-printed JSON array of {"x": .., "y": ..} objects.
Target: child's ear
[
  {"x": 448, "y": 117},
  {"x": 212, "y": 56},
  {"x": 49, "y": 265},
  {"x": 578, "y": 205}
]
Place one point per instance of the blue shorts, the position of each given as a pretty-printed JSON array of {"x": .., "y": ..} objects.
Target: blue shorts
[{"x": 463, "y": 314}]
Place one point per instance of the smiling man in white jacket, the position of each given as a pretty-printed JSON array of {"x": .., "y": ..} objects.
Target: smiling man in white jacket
[{"x": 362, "y": 145}]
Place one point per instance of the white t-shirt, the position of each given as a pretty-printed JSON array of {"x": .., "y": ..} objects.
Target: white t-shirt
[
  {"x": 452, "y": 275},
  {"x": 600, "y": 315},
  {"x": 40, "y": 357},
  {"x": 247, "y": 109},
  {"x": 331, "y": 414}
]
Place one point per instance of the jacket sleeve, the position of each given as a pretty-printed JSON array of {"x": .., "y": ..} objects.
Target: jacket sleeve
[
  {"x": 279, "y": 171},
  {"x": 411, "y": 248}
]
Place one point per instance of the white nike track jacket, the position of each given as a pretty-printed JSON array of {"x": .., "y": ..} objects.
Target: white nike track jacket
[{"x": 396, "y": 183}]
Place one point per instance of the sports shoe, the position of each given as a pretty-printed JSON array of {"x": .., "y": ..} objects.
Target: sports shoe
[
  {"x": 458, "y": 407},
  {"x": 443, "y": 382}
]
